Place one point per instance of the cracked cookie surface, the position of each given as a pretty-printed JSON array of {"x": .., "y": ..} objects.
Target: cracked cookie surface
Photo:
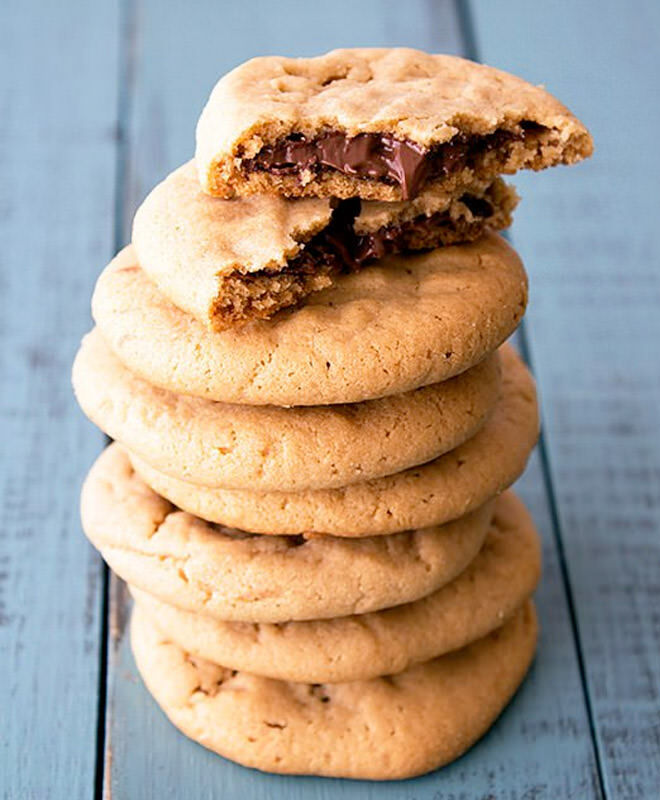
[
  {"x": 234, "y": 575},
  {"x": 270, "y": 448},
  {"x": 385, "y": 728},
  {"x": 487, "y": 593},
  {"x": 376, "y": 123},
  {"x": 344, "y": 345},
  {"x": 431, "y": 494}
]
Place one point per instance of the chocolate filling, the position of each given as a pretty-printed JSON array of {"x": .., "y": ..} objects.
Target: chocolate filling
[
  {"x": 381, "y": 157},
  {"x": 339, "y": 247}
]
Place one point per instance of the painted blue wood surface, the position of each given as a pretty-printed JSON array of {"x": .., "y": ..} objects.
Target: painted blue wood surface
[
  {"x": 587, "y": 236},
  {"x": 58, "y": 70},
  {"x": 590, "y": 239},
  {"x": 541, "y": 747}
]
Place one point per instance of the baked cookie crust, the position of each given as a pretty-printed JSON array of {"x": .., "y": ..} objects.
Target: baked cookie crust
[
  {"x": 456, "y": 305},
  {"x": 383, "y": 729},
  {"x": 234, "y": 575},
  {"x": 380, "y": 124},
  {"x": 433, "y": 493},
  {"x": 268, "y": 448},
  {"x": 227, "y": 262},
  {"x": 487, "y": 593}
]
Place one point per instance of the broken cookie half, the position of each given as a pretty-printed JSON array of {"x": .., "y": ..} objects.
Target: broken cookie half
[
  {"x": 227, "y": 262},
  {"x": 381, "y": 124}
]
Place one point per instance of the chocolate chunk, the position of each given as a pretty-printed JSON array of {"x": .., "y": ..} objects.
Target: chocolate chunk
[{"x": 479, "y": 206}]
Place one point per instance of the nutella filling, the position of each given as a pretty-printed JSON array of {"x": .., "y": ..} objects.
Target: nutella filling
[
  {"x": 381, "y": 157},
  {"x": 339, "y": 247}
]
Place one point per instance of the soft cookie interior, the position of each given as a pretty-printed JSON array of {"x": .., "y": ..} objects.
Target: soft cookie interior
[{"x": 345, "y": 245}]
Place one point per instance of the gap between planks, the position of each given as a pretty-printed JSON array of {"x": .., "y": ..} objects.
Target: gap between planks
[{"x": 112, "y": 587}]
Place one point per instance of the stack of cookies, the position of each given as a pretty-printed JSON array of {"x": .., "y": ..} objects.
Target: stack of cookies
[{"x": 301, "y": 360}]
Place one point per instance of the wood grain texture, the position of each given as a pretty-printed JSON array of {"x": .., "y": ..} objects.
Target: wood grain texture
[
  {"x": 541, "y": 747},
  {"x": 589, "y": 236},
  {"x": 57, "y": 161}
]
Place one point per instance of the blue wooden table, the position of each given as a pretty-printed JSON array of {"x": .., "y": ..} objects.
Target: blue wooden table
[{"x": 98, "y": 102}]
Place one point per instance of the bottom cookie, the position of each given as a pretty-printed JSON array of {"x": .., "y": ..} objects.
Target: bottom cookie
[{"x": 385, "y": 728}]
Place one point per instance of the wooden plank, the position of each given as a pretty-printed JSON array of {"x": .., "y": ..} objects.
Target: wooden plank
[
  {"x": 57, "y": 149},
  {"x": 589, "y": 236},
  {"x": 541, "y": 746}
]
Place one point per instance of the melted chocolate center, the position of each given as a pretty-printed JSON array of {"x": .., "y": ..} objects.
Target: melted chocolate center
[
  {"x": 339, "y": 247},
  {"x": 377, "y": 156}
]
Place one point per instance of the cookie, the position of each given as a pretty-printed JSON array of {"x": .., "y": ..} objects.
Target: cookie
[
  {"x": 233, "y": 575},
  {"x": 381, "y": 124},
  {"x": 432, "y": 494},
  {"x": 405, "y": 322},
  {"x": 267, "y": 448},
  {"x": 384, "y": 728},
  {"x": 480, "y": 599},
  {"x": 230, "y": 261}
]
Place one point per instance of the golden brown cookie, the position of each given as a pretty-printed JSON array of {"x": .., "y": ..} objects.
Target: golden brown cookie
[
  {"x": 384, "y": 728},
  {"x": 267, "y": 448},
  {"x": 396, "y": 325},
  {"x": 376, "y": 123},
  {"x": 233, "y": 575},
  {"x": 480, "y": 599},
  {"x": 431, "y": 494},
  {"x": 228, "y": 262}
]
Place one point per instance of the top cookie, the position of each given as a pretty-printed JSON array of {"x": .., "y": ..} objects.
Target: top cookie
[{"x": 380, "y": 124}]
